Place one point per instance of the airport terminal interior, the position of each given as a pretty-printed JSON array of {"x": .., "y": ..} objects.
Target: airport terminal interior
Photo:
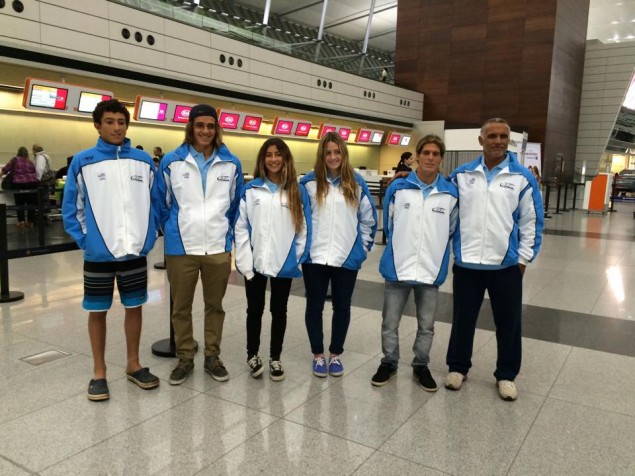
[{"x": 575, "y": 413}]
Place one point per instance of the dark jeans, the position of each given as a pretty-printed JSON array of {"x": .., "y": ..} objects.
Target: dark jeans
[
  {"x": 255, "y": 290},
  {"x": 505, "y": 292},
  {"x": 22, "y": 199},
  {"x": 316, "y": 282}
]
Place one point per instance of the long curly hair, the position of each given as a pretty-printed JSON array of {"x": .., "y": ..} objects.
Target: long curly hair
[
  {"x": 347, "y": 175},
  {"x": 288, "y": 176}
]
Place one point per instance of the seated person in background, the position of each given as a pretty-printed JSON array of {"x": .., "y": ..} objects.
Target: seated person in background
[
  {"x": 61, "y": 173},
  {"x": 405, "y": 163}
]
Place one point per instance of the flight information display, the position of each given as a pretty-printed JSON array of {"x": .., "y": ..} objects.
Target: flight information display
[
  {"x": 283, "y": 126},
  {"x": 228, "y": 120},
  {"x": 152, "y": 111},
  {"x": 181, "y": 113},
  {"x": 252, "y": 123},
  {"x": 48, "y": 97},
  {"x": 302, "y": 129},
  {"x": 89, "y": 100}
]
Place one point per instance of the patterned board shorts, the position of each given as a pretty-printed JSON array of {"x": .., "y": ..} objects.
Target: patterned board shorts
[{"x": 99, "y": 283}]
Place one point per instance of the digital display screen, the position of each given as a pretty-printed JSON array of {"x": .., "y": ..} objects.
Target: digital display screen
[
  {"x": 283, "y": 127},
  {"x": 252, "y": 123},
  {"x": 154, "y": 111},
  {"x": 49, "y": 97},
  {"x": 324, "y": 129},
  {"x": 344, "y": 133},
  {"x": 302, "y": 129},
  {"x": 229, "y": 120},
  {"x": 181, "y": 113},
  {"x": 88, "y": 101},
  {"x": 394, "y": 139},
  {"x": 405, "y": 140},
  {"x": 363, "y": 135},
  {"x": 377, "y": 136}
]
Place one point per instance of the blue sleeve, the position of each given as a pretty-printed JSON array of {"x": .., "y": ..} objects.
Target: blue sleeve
[
  {"x": 73, "y": 206},
  {"x": 306, "y": 209}
]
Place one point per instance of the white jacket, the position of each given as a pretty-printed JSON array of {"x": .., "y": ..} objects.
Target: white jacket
[
  {"x": 265, "y": 235},
  {"x": 418, "y": 230},
  {"x": 500, "y": 223},
  {"x": 341, "y": 235}
]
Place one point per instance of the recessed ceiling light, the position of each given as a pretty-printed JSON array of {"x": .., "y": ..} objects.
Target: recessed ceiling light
[{"x": 614, "y": 22}]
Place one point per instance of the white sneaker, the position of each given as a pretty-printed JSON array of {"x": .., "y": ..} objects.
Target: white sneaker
[
  {"x": 507, "y": 390},
  {"x": 454, "y": 380}
]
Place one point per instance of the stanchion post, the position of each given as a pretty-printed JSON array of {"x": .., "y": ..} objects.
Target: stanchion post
[
  {"x": 564, "y": 204},
  {"x": 5, "y": 294},
  {"x": 547, "y": 193},
  {"x": 558, "y": 212}
]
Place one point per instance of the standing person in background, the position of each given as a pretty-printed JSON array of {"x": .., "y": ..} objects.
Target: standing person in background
[
  {"x": 499, "y": 233},
  {"x": 23, "y": 177},
  {"x": 405, "y": 162},
  {"x": 344, "y": 222},
  {"x": 199, "y": 187},
  {"x": 108, "y": 211},
  {"x": 420, "y": 213},
  {"x": 42, "y": 163},
  {"x": 271, "y": 235},
  {"x": 158, "y": 153}
]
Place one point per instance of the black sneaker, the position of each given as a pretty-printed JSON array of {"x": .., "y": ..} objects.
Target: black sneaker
[
  {"x": 98, "y": 390},
  {"x": 423, "y": 375},
  {"x": 215, "y": 367},
  {"x": 181, "y": 372},
  {"x": 255, "y": 366},
  {"x": 383, "y": 374},
  {"x": 276, "y": 372}
]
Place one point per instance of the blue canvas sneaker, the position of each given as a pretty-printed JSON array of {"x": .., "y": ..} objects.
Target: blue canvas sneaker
[
  {"x": 319, "y": 366},
  {"x": 335, "y": 366}
]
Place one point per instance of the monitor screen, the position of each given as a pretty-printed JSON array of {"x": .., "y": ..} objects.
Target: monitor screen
[
  {"x": 344, "y": 133},
  {"x": 48, "y": 96},
  {"x": 394, "y": 139},
  {"x": 405, "y": 140},
  {"x": 229, "y": 120},
  {"x": 181, "y": 113},
  {"x": 363, "y": 135},
  {"x": 324, "y": 129},
  {"x": 88, "y": 101},
  {"x": 283, "y": 127},
  {"x": 252, "y": 123},
  {"x": 377, "y": 136},
  {"x": 302, "y": 129},
  {"x": 152, "y": 110}
]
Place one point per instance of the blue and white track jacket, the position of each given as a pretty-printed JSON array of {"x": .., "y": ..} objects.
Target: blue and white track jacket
[
  {"x": 196, "y": 222},
  {"x": 500, "y": 223},
  {"x": 341, "y": 236},
  {"x": 265, "y": 235},
  {"x": 418, "y": 231},
  {"x": 107, "y": 206}
]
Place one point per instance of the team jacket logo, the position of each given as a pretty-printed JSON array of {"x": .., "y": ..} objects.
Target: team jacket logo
[
  {"x": 136, "y": 178},
  {"x": 440, "y": 210},
  {"x": 284, "y": 205},
  {"x": 257, "y": 202},
  {"x": 186, "y": 175},
  {"x": 508, "y": 185},
  {"x": 406, "y": 205},
  {"x": 223, "y": 178},
  {"x": 101, "y": 176},
  {"x": 471, "y": 181}
]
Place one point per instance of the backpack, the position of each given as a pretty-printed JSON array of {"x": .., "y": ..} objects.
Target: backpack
[{"x": 48, "y": 177}]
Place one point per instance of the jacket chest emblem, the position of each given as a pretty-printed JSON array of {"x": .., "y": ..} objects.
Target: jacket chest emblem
[
  {"x": 101, "y": 176},
  {"x": 223, "y": 178},
  {"x": 406, "y": 205},
  {"x": 136, "y": 178},
  {"x": 186, "y": 175},
  {"x": 508, "y": 185},
  {"x": 440, "y": 210}
]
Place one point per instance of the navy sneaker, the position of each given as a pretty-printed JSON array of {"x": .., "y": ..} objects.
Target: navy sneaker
[
  {"x": 319, "y": 366},
  {"x": 335, "y": 366}
]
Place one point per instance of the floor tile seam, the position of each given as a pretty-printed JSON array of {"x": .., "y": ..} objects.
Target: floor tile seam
[
  {"x": 339, "y": 437},
  {"x": 595, "y": 407},
  {"x": 597, "y": 300},
  {"x": 18, "y": 465},
  {"x": 117, "y": 434},
  {"x": 238, "y": 445},
  {"x": 244, "y": 405},
  {"x": 284, "y": 416},
  {"x": 542, "y": 404},
  {"x": 413, "y": 462}
]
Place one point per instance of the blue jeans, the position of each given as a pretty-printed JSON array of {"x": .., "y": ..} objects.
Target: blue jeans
[
  {"x": 316, "y": 283},
  {"x": 396, "y": 295}
]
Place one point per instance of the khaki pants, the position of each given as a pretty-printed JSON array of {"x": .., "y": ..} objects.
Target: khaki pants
[{"x": 183, "y": 272}]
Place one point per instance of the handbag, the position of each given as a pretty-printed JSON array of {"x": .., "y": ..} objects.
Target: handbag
[{"x": 7, "y": 182}]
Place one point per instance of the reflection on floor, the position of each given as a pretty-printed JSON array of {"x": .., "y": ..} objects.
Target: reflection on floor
[{"x": 575, "y": 414}]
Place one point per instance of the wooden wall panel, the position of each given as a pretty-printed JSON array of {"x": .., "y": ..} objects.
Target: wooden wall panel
[{"x": 477, "y": 59}]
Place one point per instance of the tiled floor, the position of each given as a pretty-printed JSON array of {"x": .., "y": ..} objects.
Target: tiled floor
[{"x": 575, "y": 414}]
